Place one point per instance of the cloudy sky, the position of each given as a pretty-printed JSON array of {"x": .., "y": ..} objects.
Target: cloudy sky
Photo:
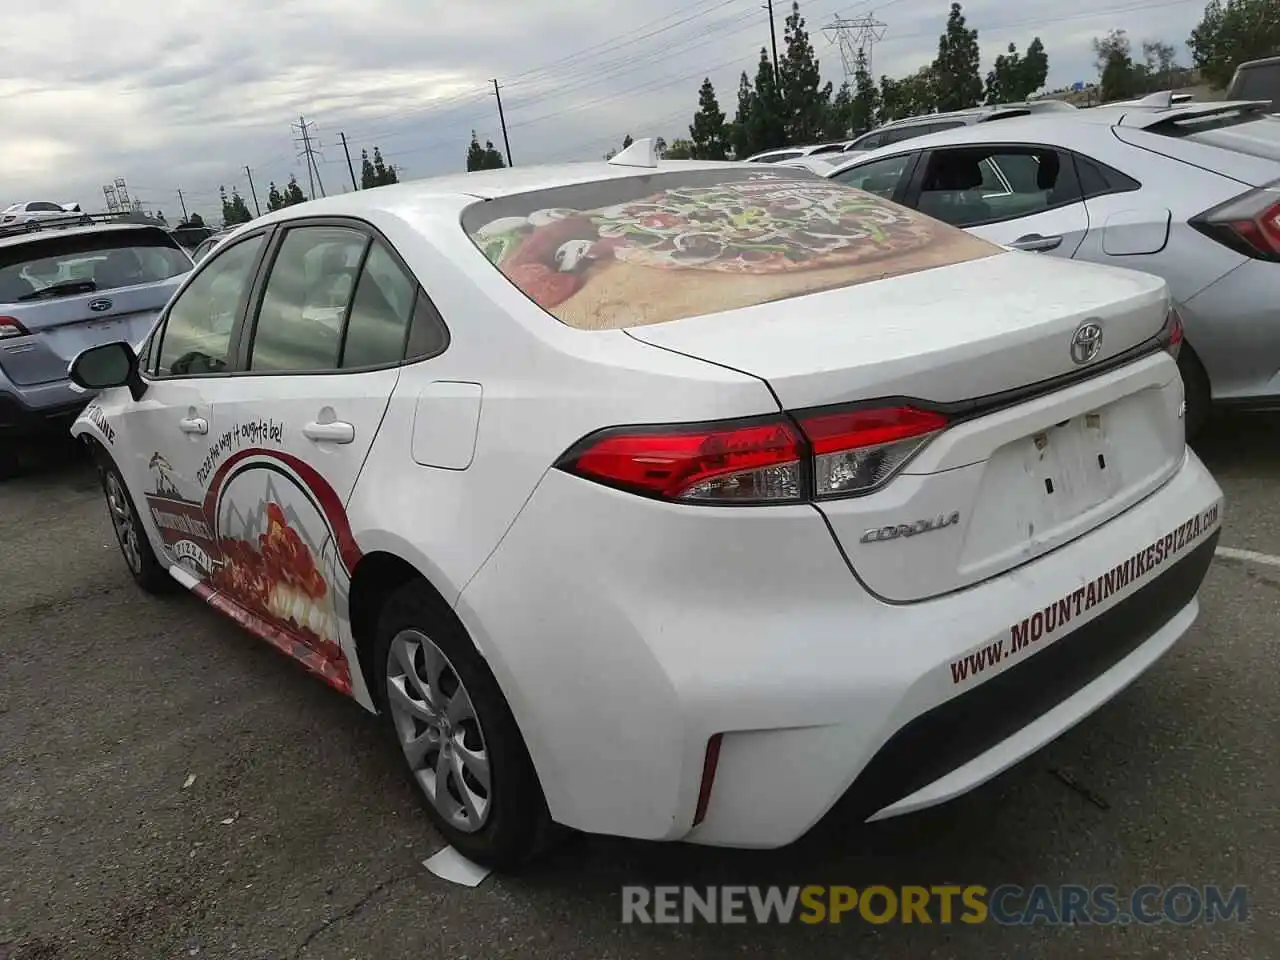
[{"x": 173, "y": 94}]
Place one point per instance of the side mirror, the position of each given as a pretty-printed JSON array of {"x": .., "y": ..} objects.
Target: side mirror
[{"x": 108, "y": 365}]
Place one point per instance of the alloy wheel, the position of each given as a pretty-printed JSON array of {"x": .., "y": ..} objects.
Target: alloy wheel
[
  {"x": 438, "y": 730},
  {"x": 122, "y": 519}
]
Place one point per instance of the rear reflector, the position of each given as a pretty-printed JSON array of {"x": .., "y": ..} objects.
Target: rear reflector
[
  {"x": 1173, "y": 333},
  {"x": 1248, "y": 224},
  {"x": 709, "y": 764},
  {"x": 833, "y": 453},
  {"x": 10, "y": 327}
]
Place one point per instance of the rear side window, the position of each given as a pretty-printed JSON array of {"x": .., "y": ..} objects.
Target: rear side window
[
  {"x": 380, "y": 313},
  {"x": 64, "y": 263},
  {"x": 1097, "y": 179},
  {"x": 305, "y": 301},
  {"x": 1261, "y": 82},
  {"x": 654, "y": 248}
]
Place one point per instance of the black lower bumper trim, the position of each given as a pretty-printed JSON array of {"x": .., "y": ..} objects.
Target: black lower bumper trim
[{"x": 966, "y": 726}]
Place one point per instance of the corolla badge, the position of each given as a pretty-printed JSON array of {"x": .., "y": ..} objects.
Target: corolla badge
[
  {"x": 1086, "y": 342},
  {"x": 99, "y": 305},
  {"x": 928, "y": 525}
]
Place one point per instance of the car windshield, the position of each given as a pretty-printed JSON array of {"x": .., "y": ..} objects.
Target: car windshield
[
  {"x": 650, "y": 249},
  {"x": 63, "y": 262}
]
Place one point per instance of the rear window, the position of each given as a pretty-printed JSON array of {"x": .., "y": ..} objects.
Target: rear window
[
  {"x": 1257, "y": 83},
  {"x": 651, "y": 249},
  {"x": 108, "y": 259}
]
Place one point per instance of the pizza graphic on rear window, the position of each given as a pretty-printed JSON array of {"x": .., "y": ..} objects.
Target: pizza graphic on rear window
[{"x": 699, "y": 243}]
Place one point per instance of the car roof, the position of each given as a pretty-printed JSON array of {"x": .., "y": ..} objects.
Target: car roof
[
  {"x": 27, "y": 236},
  {"x": 408, "y": 200},
  {"x": 1050, "y": 126}
]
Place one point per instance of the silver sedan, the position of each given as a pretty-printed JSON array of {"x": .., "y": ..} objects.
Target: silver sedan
[{"x": 1187, "y": 191}]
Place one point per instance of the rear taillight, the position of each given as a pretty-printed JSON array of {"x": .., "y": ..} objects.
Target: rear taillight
[
  {"x": 819, "y": 454},
  {"x": 859, "y": 450},
  {"x": 1172, "y": 333},
  {"x": 10, "y": 327},
  {"x": 1248, "y": 224}
]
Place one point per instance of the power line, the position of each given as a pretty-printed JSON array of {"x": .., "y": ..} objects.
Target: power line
[
  {"x": 855, "y": 37},
  {"x": 304, "y": 127}
]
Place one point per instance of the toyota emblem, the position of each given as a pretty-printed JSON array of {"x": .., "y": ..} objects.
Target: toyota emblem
[
  {"x": 97, "y": 306},
  {"x": 1086, "y": 342}
]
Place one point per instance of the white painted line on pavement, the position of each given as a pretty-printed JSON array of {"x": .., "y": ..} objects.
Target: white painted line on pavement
[
  {"x": 449, "y": 864},
  {"x": 1250, "y": 556}
]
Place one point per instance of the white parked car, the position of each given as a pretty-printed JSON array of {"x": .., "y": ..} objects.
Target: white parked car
[
  {"x": 1187, "y": 191},
  {"x": 673, "y": 500},
  {"x": 41, "y": 211}
]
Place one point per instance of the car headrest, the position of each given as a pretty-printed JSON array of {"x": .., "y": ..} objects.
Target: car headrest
[
  {"x": 958, "y": 173},
  {"x": 1047, "y": 171}
]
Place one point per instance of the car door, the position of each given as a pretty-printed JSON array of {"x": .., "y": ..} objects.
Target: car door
[
  {"x": 186, "y": 363},
  {"x": 886, "y": 177},
  {"x": 319, "y": 357},
  {"x": 1019, "y": 195}
]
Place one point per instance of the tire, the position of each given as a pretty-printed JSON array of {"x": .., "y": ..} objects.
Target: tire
[
  {"x": 492, "y": 812},
  {"x": 135, "y": 547},
  {"x": 1195, "y": 390}
]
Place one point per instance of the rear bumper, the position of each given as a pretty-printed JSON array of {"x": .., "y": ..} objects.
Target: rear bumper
[
  {"x": 40, "y": 410},
  {"x": 626, "y": 633}
]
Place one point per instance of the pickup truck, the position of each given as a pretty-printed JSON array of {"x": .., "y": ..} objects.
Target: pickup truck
[{"x": 1257, "y": 80}]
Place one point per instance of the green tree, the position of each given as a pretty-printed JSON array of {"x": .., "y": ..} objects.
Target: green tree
[
  {"x": 234, "y": 210},
  {"x": 1160, "y": 63},
  {"x": 383, "y": 173},
  {"x": 740, "y": 129},
  {"x": 275, "y": 199},
  {"x": 911, "y": 96},
  {"x": 707, "y": 132},
  {"x": 680, "y": 149},
  {"x": 956, "y": 68},
  {"x": 481, "y": 158},
  {"x": 1232, "y": 33},
  {"x": 195, "y": 220},
  {"x": 805, "y": 98},
  {"x": 866, "y": 107},
  {"x": 1119, "y": 78},
  {"x": 766, "y": 128},
  {"x": 839, "y": 113},
  {"x": 293, "y": 193},
  {"x": 1014, "y": 78},
  {"x": 368, "y": 179},
  {"x": 660, "y": 147},
  {"x": 627, "y": 141}
]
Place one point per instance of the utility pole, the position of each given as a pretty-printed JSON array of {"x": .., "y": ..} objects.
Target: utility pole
[
  {"x": 502, "y": 120},
  {"x": 183, "y": 201},
  {"x": 309, "y": 152},
  {"x": 350, "y": 168},
  {"x": 773, "y": 37},
  {"x": 253, "y": 190}
]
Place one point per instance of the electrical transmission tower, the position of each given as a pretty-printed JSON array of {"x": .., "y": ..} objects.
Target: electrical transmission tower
[
  {"x": 310, "y": 148},
  {"x": 855, "y": 35}
]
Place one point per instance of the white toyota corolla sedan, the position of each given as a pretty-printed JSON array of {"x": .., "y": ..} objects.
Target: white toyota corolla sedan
[{"x": 672, "y": 500}]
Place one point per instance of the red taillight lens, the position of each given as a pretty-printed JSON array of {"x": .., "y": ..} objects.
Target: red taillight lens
[
  {"x": 745, "y": 462},
  {"x": 758, "y": 461},
  {"x": 858, "y": 451},
  {"x": 1173, "y": 333},
  {"x": 11, "y": 327},
  {"x": 1248, "y": 224}
]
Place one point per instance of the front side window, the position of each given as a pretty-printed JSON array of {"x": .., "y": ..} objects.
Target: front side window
[
  {"x": 196, "y": 337},
  {"x": 659, "y": 247},
  {"x": 306, "y": 298},
  {"x": 880, "y": 177}
]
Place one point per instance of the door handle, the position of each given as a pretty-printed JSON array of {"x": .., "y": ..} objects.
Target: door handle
[
  {"x": 335, "y": 431},
  {"x": 193, "y": 425},
  {"x": 1036, "y": 243}
]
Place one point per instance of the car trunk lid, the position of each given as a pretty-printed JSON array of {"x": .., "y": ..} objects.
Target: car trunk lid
[
  {"x": 1039, "y": 448},
  {"x": 58, "y": 330}
]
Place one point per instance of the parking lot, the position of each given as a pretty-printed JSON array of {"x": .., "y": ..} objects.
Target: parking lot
[{"x": 299, "y": 837}]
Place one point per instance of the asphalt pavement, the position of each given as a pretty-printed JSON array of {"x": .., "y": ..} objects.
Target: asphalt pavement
[{"x": 171, "y": 788}]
